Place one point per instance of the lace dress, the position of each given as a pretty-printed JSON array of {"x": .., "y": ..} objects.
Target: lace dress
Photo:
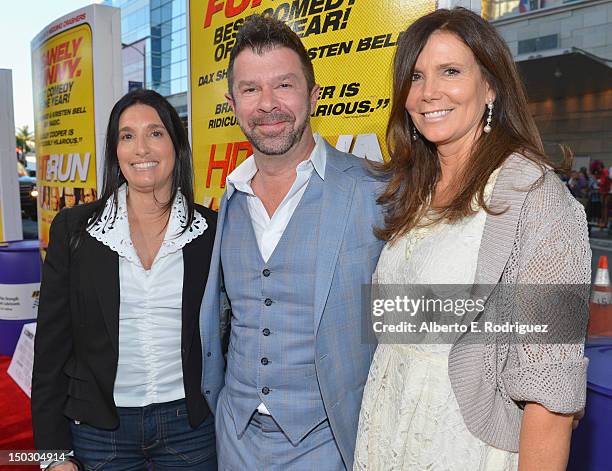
[{"x": 410, "y": 419}]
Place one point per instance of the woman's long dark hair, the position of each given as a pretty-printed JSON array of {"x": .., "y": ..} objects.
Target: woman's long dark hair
[
  {"x": 182, "y": 175},
  {"x": 414, "y": 167}
]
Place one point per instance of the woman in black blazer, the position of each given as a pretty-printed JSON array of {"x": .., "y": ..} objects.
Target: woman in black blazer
[{"x": 118, "y": 362}]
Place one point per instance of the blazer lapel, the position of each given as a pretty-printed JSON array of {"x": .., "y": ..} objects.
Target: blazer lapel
[
  {"x": 336, "y": 202},
  {"x": 193, "y": 285},
  {"x": 106, "y": 281}
]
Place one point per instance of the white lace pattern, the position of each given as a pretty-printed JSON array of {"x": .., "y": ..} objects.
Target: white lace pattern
[
  {"x": 410, "y": 419},
  {"x": 114, "y": 232}
]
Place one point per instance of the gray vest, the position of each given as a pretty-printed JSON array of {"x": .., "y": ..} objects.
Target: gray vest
[{"x": 271, "y": 351}]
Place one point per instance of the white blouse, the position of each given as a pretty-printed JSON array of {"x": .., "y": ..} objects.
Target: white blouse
[{"x": 150, "y": 367}]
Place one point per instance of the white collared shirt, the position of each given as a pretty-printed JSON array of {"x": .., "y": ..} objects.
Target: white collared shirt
[
  {"x": 149, "y": 369},
  {"x": 268, "y": 230}
]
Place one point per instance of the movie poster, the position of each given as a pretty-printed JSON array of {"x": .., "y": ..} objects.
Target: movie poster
[
  {"x": 70, "y": 112},
  {"x": 351, "y": 43},
  {"x": 64, "y": 127}
]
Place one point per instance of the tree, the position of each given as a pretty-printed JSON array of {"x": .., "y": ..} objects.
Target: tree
[{"x": 24, "y": 138}]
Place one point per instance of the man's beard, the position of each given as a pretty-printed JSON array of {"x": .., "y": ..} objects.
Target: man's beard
[{"x": 281, "y": 143}]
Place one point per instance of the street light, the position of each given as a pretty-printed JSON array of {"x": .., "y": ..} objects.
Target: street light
[{"x": 143, "y": 53}]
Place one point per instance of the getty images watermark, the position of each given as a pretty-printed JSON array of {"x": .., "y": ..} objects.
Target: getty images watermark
[
  {"x": 542, "y": 314},
  {"x": 458, "y": 307}
]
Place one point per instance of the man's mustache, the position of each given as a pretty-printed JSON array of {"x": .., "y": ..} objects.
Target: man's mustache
[{"x": 270, "y": 118}]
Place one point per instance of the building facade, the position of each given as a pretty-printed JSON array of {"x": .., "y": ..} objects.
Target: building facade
[
  {"x": 563, "y": 49},
  {"x": 154, "y": 39}
]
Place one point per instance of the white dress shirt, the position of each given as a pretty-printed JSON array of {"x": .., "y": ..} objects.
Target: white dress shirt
[
  {"x": 150, "y": 367},
  {"x": 268, "y": 230}
]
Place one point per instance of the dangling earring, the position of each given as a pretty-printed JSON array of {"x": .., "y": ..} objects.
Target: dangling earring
[
  {"x": 415, "y": 136},
  {"x": 487, "y": 127}
]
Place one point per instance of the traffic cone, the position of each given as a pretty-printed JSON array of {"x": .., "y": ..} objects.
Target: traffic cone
[
  {"x": 600, "y": 310},
  {"x": 602, "y": 290}
]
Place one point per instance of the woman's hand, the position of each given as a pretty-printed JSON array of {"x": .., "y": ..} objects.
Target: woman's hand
[
  {"x": 66, "y": 466},
  {"x": 577, "y": 417},
  {"x": 545, "y": 439}
]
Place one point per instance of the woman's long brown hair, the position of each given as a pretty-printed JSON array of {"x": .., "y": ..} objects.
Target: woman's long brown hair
[{"x": 414, "y": 167}]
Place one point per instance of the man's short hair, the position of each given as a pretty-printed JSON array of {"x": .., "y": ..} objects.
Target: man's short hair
[{"x": 264, "y": 33}]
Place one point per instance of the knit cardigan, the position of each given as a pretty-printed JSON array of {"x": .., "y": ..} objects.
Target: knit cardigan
[{"x": 541, "y": 238}]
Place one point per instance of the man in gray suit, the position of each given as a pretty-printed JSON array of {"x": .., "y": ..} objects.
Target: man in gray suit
[{"x": 294, "y": 245}]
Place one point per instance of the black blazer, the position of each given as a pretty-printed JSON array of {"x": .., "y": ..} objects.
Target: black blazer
[{"x": 76, "y": 345}]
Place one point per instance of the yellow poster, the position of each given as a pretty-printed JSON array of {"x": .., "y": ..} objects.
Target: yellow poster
[
  {"x": 351, "y": 44},
  {"x": 62, "y": 68}
]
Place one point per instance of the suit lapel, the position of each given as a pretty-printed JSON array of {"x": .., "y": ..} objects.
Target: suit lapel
[
  {"x": 106, "y": 282},
  {"x": 336, "y": 202},
  {"x": 210, "y": 301}
]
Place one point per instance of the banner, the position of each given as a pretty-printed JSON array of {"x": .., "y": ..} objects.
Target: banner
[
  {"x": 351, "y": 44},
  {"x": 70, "y": 112},
  {"x": 19, "y": 300}
]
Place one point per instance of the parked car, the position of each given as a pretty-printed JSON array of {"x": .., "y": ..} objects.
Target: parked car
[{"x": 28, "y": 192}]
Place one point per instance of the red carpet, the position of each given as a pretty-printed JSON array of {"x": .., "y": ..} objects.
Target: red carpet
[{"x": 15, "y": 418}]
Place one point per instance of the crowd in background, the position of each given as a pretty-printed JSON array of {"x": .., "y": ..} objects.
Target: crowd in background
[{"x": 593, "y": 189}]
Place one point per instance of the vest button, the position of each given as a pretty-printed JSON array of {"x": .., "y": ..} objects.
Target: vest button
[
  {"x": 268, "y": 302},
  {"x": 266, "y": 272},
  {"x": 265, "y": 390},
  {"x": 266, "y": 332},
  {"x": 264, "y": 361}
]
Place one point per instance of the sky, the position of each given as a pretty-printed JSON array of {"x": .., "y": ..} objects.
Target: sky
[{"x": 20, "y": 21}]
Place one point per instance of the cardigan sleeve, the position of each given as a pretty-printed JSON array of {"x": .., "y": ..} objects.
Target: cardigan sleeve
[
  {"x": 53, "y": 344},
  {"x": 553, "y": 259}
]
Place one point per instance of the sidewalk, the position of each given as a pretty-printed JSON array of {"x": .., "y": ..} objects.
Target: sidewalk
[
  {"x": 30, "y": 229},
  {"x": 600, "y": 236}
]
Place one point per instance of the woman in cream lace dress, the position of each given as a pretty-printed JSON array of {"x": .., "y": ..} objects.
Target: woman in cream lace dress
[{"x": 465, "y": 206}]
